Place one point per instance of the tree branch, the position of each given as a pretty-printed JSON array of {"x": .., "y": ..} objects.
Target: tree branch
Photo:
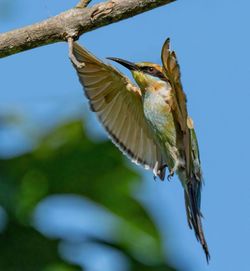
[
  {"x": 83, "y": 3},
  {"x": 73, "y": 23}
]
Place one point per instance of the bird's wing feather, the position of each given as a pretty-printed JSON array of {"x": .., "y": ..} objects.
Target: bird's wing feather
[
  {"x": 171, "y": 69},
  {"x": 195, "y": 150},
  {"x": 118, "y": 104},
  {"x": 192, "y": 177}
]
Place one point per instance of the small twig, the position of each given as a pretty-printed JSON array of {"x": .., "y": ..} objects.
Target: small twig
[
  {"x": 83, "y": 3},
  {"x": 72, "y": 57}
]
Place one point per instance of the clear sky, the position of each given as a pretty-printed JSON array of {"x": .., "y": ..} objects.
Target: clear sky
[{"x": 211, "y": 39}]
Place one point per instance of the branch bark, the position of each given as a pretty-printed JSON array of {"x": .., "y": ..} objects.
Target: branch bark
[
  {"x": 83, "y": 3},
  {"x": 73, "y": 23}
]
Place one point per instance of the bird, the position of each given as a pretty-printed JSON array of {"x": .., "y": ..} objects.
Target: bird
[{"x": 148, "y": 121}]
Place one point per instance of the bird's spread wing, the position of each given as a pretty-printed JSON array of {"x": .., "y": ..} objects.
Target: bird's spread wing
[
  {"x": 172, "y": 71},
  {"x": 118, "y": 104}
]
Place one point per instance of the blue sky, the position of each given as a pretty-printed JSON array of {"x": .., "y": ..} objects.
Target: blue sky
[{"x": 212, "y": 44}]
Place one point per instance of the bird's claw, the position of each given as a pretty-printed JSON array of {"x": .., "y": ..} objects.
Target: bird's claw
[{"x": 170, "y": 175}]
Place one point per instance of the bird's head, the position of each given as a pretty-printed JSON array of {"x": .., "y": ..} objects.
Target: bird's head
[{"x": 145, "y": 74}]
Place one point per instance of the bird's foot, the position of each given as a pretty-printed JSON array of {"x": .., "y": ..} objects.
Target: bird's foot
[
  {"x": 170, "y": 175},
  {"x": 160, "y": 172},
  {"x": 163, "y": 167}
]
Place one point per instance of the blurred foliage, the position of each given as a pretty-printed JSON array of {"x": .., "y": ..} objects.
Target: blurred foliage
[{"x": 66, "y": 161}]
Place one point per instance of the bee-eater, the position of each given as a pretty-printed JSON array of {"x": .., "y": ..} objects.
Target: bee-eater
[{"x": 149, "y": 122}]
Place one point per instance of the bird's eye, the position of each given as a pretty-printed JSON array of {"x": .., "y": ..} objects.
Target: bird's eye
[{"x": 150, "y": 69}]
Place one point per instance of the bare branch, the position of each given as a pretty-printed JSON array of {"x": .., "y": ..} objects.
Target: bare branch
[
  {"x": 83, "y": 3},
  {"x": 73, "y": 23}
]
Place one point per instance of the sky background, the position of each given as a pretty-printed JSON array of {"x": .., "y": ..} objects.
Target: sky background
[{"x": 211, "y": 39}]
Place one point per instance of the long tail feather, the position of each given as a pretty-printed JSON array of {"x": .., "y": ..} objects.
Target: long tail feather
[{"x": 192, "y": 201}]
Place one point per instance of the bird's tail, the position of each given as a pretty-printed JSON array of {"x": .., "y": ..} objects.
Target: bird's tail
[{"x": 192, "y": 201}]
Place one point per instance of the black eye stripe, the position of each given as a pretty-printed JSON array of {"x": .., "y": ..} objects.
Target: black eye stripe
[
  {"x": 154, "y": 72},
  {"x": 148, "y": 69}
]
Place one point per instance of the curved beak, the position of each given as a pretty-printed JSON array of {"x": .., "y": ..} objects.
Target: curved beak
[{"x": 129, "y": 65}]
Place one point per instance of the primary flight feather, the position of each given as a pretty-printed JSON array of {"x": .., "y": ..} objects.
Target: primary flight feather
[{"x": 149, "y": 122}]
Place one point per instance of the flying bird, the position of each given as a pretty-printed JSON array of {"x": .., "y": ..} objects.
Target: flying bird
[{"x": 149, "y": 121}]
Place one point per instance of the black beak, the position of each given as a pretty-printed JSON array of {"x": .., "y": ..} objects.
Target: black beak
[{"x": 129, "y": 65}]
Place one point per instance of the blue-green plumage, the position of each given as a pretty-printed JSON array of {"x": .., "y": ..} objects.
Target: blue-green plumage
[{"x": 161, "y": 120}]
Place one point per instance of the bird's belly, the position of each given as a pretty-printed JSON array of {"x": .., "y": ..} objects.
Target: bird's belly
[
  {"x": 157, "y": 112},
  {"x": 159, "y": 116}
]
